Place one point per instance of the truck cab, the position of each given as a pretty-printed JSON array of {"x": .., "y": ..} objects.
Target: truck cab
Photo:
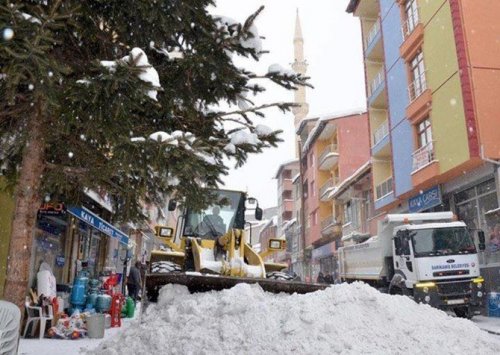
[{"x": 435, "y": 261}]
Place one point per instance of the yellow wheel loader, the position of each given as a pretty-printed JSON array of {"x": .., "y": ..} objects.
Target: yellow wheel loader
[{"x": 211, "y": 252}]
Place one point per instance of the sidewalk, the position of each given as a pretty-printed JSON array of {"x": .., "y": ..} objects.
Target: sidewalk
[
  {"x": 71, "y": 347},
  {"x": 489, "y": 324}
]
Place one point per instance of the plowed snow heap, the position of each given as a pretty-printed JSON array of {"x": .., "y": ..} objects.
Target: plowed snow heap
[{"x": 350, "y": 319}]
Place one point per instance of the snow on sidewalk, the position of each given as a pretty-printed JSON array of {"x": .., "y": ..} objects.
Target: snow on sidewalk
[
  {"x": 70, "y": 347},
  {"x": 490, "y": 324},
  {"x": 347, "y": 319}
]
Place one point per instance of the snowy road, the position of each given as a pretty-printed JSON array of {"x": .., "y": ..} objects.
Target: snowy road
[{"x": 345, "y": 319}]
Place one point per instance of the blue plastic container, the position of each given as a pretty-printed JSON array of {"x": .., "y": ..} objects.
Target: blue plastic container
[
  {"x": 494, "y": 304},
  {"x": 103, "y": 303},
  {"x": 79, "y": 292}
]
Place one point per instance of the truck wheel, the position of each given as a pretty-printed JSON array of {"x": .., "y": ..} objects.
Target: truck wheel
[
  {"x": 463, "y": 312},
  {"x": 165, "y": 267},
  {"x": 278, "y": 275}
]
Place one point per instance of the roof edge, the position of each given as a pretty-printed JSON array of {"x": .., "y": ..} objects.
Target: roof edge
[{"x": 351, "y": 7}]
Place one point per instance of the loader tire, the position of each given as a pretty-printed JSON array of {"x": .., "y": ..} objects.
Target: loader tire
[
  {"x": 165, "y": 267},
  {"x": 278, "y": 275}
]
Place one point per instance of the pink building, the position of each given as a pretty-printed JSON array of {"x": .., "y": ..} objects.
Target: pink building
[{"x": 334, "y": 148}]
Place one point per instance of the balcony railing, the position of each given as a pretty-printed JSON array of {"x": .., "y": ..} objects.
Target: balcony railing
[
  {"x": 411, "y": 23},
  {"x": 331, "y": 148},
  {"x": 327, "y": 222},
  {"x": 326, "y": 186},
  {"x": 423, "y": 156},
  {"x": 374, "y": 31},
  {"x": 381, "y": 132},
  {"x": 417, "y": 87},
  {"x": 377, "y": 81},
  {"x": 384, "y": 189}
]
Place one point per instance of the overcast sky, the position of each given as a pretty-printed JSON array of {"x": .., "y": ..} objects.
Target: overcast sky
[{"x": 334, "y": 53}]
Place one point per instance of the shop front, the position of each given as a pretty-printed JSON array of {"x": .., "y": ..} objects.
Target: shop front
[
  {"x": 68, "y": 239},
  {"x": 474, "y": 198},
  {"x": 325, "y": 262}
]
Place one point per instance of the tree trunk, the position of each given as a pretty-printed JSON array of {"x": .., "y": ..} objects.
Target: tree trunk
[{"x": 27, "y": 202}]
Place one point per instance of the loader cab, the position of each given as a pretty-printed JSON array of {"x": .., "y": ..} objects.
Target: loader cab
[{"x": 228, "y": 212}]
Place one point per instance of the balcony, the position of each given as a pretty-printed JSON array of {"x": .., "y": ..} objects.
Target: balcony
[
  {"x": 381, "y": 132},
  {"x": 413, "y": 36},
  {"x": 420, "y": 99},
  {"x": 324, "y": 191},
  {"x": 372, "y": 35},
  {"x": 423, "y": 156},
  {"x": 373, "y": 43},
  {"x": 376, "y": 89},
  {"x": 417, "y": 87},
  {"x": 425, "y": 165},
  {"x": 328, "y": 158},
  {"x": 383, "y": 189},
  {"x": 411, "y": 23},
  {"x": 330, "y": 227}
]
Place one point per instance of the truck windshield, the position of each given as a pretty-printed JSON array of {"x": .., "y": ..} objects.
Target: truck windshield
[
  {"x": 442, "y": 241},
  {"x": 217, "y": 218}
]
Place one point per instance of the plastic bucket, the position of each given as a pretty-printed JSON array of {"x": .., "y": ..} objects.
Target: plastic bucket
[
  {"x": 494, "y": 304},
  {"x": 95, "y": 326}
]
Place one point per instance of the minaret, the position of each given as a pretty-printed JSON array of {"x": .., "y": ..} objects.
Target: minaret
[{"x": 299, "y": 66}]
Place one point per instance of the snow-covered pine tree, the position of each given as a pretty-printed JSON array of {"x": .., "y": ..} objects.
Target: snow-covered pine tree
[{"x": 122, "y": 96}]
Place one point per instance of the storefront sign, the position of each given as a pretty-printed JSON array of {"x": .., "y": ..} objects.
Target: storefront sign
[
  {"x": 99, "y": 224},
  {"x": 52, "y": 209},
  {"x": 427, "y": 199}
]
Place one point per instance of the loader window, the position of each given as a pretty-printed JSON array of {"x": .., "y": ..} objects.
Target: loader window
[{"x": 216, "y": 219}]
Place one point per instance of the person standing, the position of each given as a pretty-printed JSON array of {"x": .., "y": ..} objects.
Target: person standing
[{"x": 134, "y": 281}]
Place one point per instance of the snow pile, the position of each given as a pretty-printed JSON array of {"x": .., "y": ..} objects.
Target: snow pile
[{"x": 349, "y": 319}]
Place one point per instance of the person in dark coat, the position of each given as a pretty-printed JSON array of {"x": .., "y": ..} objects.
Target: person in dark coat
[
  {"x": 321, "y": 278},
  {"x": 329, "y": 279},
  {"x": 134, "y": 281}
]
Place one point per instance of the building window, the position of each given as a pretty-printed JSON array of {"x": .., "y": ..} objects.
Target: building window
[
  {"x": 424, "y": 133},
  {"x": 314, "y": 218},
  {"x": 417, "y": 72},
  {"x": 412, "y": 18},
  {"x": 347, "y": 212},
  {"x": 384, "y": 189}
]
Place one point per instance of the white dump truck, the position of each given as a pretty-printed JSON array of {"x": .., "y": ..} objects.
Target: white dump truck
[{"x": 428, "y": 256}]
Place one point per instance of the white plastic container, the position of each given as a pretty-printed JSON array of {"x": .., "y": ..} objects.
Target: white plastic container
[{"x": 46, "y": 284}]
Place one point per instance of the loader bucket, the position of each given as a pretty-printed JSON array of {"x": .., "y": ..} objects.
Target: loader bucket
[{"x": 204, "y": 283}]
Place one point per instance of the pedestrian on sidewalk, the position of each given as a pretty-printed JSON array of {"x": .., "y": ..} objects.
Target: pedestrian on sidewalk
[{"x": 134, "y": 281}]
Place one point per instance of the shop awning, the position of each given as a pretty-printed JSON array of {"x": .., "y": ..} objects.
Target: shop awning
[{"x": 98, "y": 223}]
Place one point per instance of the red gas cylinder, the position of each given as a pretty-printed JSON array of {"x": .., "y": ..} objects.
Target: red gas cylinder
[{"x": 116, "y": 310}]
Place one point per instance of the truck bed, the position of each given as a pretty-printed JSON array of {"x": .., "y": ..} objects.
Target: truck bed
[{"x": 364, "y": 261}]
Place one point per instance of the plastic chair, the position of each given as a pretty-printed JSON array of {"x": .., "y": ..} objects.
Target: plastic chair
[
  {"x": 35, "y": 314},
  {"x": 10, "y": 322}
]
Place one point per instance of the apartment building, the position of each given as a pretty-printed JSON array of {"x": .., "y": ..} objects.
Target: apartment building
[
  {"x": 432, "y": 75},
  {"x": 334, "y": 147}
]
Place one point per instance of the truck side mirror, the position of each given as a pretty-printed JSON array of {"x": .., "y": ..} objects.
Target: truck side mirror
[
  {"x": 482, "y": 240},
  {"x": 172, "y": 205},
  {"x": 258, "y": 213}
]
